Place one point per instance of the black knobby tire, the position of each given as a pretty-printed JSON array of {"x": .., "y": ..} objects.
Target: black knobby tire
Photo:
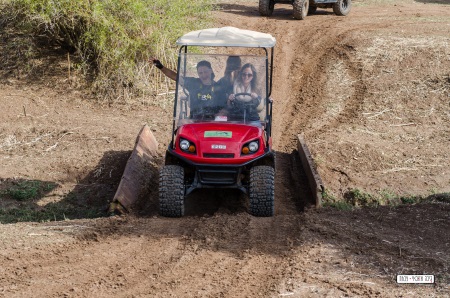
[
  {"x": 171, "y": 191},
  {"x": 342, "y": 7},
  {"x": 312, "y": 9},
  {"x": 262, "y": 191},
  {"x": 300, "y": 9},
  {"x": 266, "y": 7}
]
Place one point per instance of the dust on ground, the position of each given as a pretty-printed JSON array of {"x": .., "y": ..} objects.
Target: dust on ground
[{"x": 370, "y": 93}]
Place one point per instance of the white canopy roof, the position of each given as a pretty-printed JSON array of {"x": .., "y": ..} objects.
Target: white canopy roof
[{"x": 227, "y": 37}]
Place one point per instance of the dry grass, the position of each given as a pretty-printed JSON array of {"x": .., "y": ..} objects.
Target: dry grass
[
  {"x": 338, "y": 84},
  {"x": 402, "y": 72},
  {"x": 396, "y": 49},
  {"x": 339, "y": 88}
]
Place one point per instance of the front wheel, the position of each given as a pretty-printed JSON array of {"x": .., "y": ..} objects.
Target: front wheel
[
  {"x": 171, "y": 191},
  {"x": 266, "y": 7},
  {"x": 301, "y": 8},
  {"x": 262, "y": 191},
  {"x": 342, "y": 7}
]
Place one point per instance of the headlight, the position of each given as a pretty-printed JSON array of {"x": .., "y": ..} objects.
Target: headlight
[
  {"x": 184, "y": 144},
  {"x": 253, "y": 146},
  {"x": 187, "y": 146}
]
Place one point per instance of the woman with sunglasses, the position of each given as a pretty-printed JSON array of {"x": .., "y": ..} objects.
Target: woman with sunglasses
[{"x": 245, "y": 98}]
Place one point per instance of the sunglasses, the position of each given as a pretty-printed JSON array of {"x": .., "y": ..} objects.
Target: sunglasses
[{"x": 247, "y": 75}]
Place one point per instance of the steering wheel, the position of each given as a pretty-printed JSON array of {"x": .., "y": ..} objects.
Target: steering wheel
[
  {"x": 240, "y": 103},
  {"x": 242, "y": 94},
  {"x": 243, "y": 103}
]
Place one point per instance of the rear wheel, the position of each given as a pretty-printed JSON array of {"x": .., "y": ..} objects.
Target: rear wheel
[
  {"x": 262, "y": 191},
  {"x": 342, "y": 7},
  {"x": 300, "y": 9},
  {"x": 171, "y": 191},
  {"x": 266, "y": 7}
]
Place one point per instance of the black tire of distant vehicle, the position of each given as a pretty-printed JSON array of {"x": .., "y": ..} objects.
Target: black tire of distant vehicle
[
  {"x": 342, "y": 7},
  {"x": 171, "y": 191},
  {"x": 300, "y": 9},
  {"x": 266, "y": 7},
  {"x": 312, "y": 9},
  {"x": 262, "y": 191}
]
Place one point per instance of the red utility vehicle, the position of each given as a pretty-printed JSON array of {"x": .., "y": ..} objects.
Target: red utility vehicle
[{"x": 217, "y": 142}]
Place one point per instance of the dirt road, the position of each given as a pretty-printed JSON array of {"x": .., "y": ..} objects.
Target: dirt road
[{"x": 369, "y": 91}]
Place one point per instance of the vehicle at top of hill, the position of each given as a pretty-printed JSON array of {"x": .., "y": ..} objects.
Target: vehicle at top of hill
[
  {"x": 221, "y": 135},
  {"x": 302, "y": 8}
]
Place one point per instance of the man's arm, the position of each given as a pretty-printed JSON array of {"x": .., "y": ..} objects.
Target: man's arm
[{"x": 167, "y": 72}]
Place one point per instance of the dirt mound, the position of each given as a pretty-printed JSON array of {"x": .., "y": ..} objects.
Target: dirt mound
[{"x": 370, "y": 94}]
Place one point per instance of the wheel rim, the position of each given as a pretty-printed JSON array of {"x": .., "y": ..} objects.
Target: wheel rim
[
  {"x": 344, "y": 4},
  {"x": 305, "y": 8}
]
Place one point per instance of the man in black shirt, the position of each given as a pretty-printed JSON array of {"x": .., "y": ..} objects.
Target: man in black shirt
[{"x": 205, "y": 95}]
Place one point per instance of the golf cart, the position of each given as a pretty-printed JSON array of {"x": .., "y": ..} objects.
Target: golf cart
[
  {"x": 304, "y": 7},
  {"x": 214, "y": 146}
]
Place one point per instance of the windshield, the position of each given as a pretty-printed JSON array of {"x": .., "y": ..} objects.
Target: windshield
[{"x": 221, "y": 88}]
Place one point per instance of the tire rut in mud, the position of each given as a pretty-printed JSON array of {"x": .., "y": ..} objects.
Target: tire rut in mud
[
  {"x": 318, "y": 46},
  {"x": 308, "y": 98}
]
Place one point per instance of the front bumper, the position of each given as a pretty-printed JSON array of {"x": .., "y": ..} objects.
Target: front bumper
[{"x": 203, "y": 175}]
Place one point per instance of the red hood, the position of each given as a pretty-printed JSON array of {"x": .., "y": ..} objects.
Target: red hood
[
  {"x": 220, "y": 131},
  {"x": 220, "y": 142}
]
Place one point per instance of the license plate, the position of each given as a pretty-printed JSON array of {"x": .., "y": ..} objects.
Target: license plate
[{"x": 218, "y": 146}]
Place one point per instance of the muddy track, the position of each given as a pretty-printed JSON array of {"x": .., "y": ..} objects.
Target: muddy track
[
  {"x": 306, "y": 54},
  {"x": 316, "y": 48}
]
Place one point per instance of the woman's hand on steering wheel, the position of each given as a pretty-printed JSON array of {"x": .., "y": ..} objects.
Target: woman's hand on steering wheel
[
  {"x": 244, "y": 93},
  {"x": 232, "y": 97}
]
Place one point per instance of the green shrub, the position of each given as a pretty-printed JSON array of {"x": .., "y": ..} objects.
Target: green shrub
[
  {"x": 113, "y": 38},
  {"x": 25, "y": 190},
  {"x": 409, "y": 200},
  {"x": 330, "y": 200},
  {"x": 340, "y": 205},
  {"x": 360, "y": 198},
  {"x": 51, "y": 212}
]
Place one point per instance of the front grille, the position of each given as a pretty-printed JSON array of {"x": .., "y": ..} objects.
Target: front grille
[
  {"x": 218, "y": 155},
  {"x": 209, "y": 176}
]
